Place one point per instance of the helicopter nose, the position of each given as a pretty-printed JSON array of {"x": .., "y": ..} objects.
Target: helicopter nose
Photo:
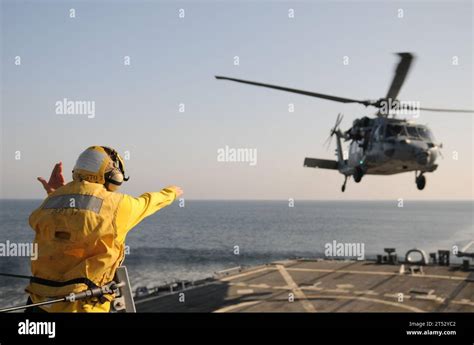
[
  {"x": 423, "y": 157},
  {"x": 433, "y": 155},
  {"x": 427, "y": 157}
]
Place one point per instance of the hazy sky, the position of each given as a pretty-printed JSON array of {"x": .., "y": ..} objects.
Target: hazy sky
[{"x": 174, "y": 61}]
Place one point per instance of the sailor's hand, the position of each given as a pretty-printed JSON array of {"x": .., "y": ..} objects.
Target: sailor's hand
[
  {"x": 176, "y": 189},
  {"x": 55, "y": 181}
]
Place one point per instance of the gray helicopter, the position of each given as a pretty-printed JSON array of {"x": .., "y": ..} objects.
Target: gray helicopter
[{"x": 381, "y": 145}]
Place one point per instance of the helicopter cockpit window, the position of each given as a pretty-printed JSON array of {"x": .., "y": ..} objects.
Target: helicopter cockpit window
[
  {"x": 394, "y": 131},
  {"x": 413, "y": 132},
  {"x": 425, "y": 133}
]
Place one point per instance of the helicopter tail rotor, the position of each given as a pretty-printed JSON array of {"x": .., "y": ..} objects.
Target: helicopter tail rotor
[{"x": 333, "y": 131}]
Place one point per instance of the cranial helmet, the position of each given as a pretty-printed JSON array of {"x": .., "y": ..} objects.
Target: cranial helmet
[{"x": 100, "y": 164}]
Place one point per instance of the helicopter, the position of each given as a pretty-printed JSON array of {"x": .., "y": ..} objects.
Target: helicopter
[{"x": 379, "y": 145}]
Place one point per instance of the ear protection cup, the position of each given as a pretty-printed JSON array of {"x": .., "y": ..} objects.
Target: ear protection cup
[
  {"x": 113, "y": 180},
  {"x": 115, "y": 177}
]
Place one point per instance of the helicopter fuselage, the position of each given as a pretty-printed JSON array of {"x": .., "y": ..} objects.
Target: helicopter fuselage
[{"x": 391, "y": 146}]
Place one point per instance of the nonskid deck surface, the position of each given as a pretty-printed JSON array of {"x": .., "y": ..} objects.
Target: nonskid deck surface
[{"x": 324, "y": 286}]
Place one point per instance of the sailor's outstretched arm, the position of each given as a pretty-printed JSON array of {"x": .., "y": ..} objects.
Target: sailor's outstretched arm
[{"x": 133, "y": 210}]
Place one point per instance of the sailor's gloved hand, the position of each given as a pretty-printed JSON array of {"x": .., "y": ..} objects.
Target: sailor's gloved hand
[
  {"x": 177, "y": 190},
  {"x": 55, "y": 181}
]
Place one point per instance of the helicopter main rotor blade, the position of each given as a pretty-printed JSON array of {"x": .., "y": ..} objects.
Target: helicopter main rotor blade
[
  {"x": 301, "y": 92},
  {"x": 400, "y": 74},
  {"x": 448, "y": 110},
  {"x": 406, "y": 107}
]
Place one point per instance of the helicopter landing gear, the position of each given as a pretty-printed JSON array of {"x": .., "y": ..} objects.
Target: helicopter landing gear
[
  {"x": 358, "y": 173},
  {"x": 420, "y": 181},
  {"x": 343, "y": 188}
]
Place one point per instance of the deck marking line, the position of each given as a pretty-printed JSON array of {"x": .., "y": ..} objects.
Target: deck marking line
[
  {"x": 235, "y": 306},
  {"x": 376, "y": 300},
  {"x": 296, "y": 289},
  {"x": 463, "y": 301},
  {"x": 382, "y": 273}
]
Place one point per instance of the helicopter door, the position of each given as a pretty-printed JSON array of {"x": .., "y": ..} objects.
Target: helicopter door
[
  {"x": 355, "y": 153},
  {"x": 376, "y": 142}
]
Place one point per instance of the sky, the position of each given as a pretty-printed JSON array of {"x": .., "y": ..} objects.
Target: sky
[{"x": 173, "y": 61}]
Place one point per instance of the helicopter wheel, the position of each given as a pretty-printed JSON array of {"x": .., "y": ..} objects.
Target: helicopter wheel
[
  {"x": 343, "y": 188},
  {"x": 420, "y": 182},
  {"x": 358, "y": 173}
]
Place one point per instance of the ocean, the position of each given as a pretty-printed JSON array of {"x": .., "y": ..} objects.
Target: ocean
[{"x": 192, "y": 242}]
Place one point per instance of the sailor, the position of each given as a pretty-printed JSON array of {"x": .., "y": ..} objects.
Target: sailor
[{"x": 81, "y": 228}]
